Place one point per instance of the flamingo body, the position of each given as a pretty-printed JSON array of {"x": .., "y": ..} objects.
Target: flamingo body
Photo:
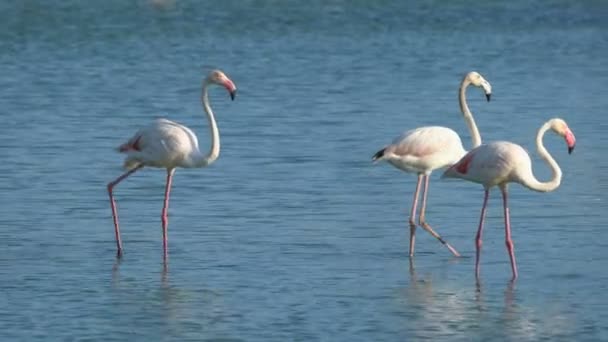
[
  {"x": 424, "y": 149},
  {"x": 163, "y": 143},
  {"x": 493, "y": 164}
]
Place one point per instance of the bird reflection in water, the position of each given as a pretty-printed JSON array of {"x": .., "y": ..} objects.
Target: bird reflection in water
[
  {"x": 442, "y": 308},
  {"x": 165, "y": 295},
  {"x": 164, "y": 274}
]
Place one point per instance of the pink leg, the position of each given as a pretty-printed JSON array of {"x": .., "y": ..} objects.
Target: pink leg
[
  {"x": 163, "y": 216},
  {"x": 479, "y": 230},
  {"x": 425, "y": 225},
  {"x": 508, "y": 240},
  {"x": 111, "y": 186},
  {"x": 412, "y": 215}
]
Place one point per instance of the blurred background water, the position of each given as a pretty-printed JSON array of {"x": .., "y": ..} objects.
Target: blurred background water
[{"x": 293, "y": 234}]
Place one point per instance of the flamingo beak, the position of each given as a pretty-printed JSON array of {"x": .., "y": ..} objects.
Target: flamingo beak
[
  {"x": 487, "y": 88},
  {"x": 570, "y": 141},
  {"x": 229, "y": 85}
]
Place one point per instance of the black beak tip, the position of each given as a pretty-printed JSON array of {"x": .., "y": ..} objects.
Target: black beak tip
[
  {"x": 232, "y": 95},
  {"x": 570, "y": 149},
  {"x": 488, "y": 97}
]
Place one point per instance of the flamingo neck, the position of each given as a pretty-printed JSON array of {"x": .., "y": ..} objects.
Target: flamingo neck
[
  {"x": 214, "y": 152},
  {"x": 468, "y": 116},
  {"x": 531, "y": 182}
]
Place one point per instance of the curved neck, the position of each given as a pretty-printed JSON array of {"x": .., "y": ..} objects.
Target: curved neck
[
  {"x": 468, "y": 116},
  {"x": 214, "y": 151},
  {"x": 531, "y": 182}
]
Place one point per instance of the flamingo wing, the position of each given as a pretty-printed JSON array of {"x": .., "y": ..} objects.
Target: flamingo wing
[
  {"x": 424, "y": 141},
  {"x": 163, "y": 143},
  {"x": 425, "y": 149},
  {"x": 490, "y": 164}
]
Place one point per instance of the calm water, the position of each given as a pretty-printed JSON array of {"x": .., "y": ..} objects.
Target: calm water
[{"x": 293, "y": 234}]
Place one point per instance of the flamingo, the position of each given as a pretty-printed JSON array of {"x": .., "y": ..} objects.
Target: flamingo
[
  {"x": 502, "y": 162},
  {"x": 425, "y": 149},
  {"x": 167, "y": 144}
]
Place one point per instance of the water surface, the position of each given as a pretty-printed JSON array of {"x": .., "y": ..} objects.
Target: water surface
[{"x": 293, "y": 234}]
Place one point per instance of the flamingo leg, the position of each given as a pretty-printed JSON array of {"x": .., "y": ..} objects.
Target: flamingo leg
[
  {"x": 508, "y": 240},
  {"x": 478, "y": 241},
  {"x": 425, "y": 225},
  {"x": 163, "y": 216},
  {"x": 413, "y": 215},
  {"x": 111, "y": 186}
]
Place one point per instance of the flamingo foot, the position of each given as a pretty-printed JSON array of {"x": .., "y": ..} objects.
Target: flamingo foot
[{"x": 453, "y": 250}]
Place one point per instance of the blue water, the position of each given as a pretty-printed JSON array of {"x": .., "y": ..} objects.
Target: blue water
[{"x": 293, "y": 234}]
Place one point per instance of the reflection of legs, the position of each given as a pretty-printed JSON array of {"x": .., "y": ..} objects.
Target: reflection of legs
[
  {"x": 163, "y": 216},
  {"x": 111, "y": 186},
  {"x": 425, "y": 225},
  {"x": 164, "y": 278},
  {"x": 412, "y": 215},
  {"x": 479, "y": 230},
  {"x": 508, "y": 240},
  {"x": 412, "y": 270}
]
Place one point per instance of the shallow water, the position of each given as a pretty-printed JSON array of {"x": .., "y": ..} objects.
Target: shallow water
[{"x": 293, "y": 234}]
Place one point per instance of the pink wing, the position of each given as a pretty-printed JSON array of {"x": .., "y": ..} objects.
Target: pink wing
[
  {"x": 490, "y": 164},
  {"x": 424, "y": 141},
  {"x": 461, "y": 168},
  {"x": 163, "y": 143}
]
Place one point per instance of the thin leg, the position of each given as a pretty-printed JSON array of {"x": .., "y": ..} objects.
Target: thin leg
[
  {"x": 111, "y": 186},
  {"x": 425, "y": 225},
  {"x": 163, "y": 216},
  {"x": 413, "y": 215},
  {"x": 478, "y": 241},
  {"x": 508, "y": 240}
]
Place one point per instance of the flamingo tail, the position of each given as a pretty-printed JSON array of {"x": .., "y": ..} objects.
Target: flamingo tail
[{"x": 379, "y": 155}]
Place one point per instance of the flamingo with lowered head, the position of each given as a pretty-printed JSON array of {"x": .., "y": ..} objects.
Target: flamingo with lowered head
[
  {"x": 425, "y": 149},
  {"x": 502, "y": 162},
  {"x": 167, "y": 144}
]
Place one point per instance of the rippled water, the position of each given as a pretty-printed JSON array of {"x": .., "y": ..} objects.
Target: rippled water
[{"x": 293, "y": 234}]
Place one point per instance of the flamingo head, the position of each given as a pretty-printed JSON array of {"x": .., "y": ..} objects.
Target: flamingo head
[
  {"x": 218, "y": 77},
  {"x": 560, "y": 127},
  {"x": 477, "y": 80}
]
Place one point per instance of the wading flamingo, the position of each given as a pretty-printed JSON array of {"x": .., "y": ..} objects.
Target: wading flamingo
[
  {"x": 425, "y": 149},
  {"x": 167, "y": 144},
  {"x": 502, "y": 162}
]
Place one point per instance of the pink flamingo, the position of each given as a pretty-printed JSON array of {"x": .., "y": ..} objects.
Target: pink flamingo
[
  {"x": 425, "y": 149},
  {"x": 502, "y": 162},
  {"x": 168, "y": 145}
]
